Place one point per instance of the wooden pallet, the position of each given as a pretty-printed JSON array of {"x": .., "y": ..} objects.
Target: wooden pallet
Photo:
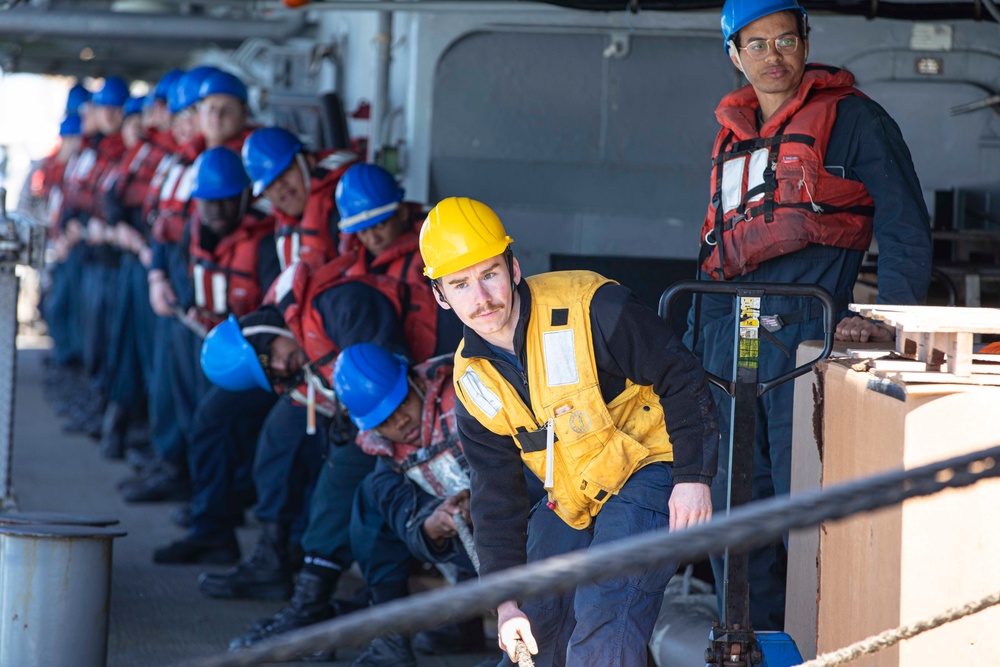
[{"x": 939, "y": 336}]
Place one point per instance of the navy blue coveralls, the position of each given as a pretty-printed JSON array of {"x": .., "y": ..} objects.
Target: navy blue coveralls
[
  {"x": 351, "y": 312},
  {"x": 865, "y": 145},
  {"x": 224, "y": 428}
]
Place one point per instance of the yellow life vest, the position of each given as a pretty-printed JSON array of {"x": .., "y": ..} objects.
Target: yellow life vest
[{"x": 584, "y": 449}]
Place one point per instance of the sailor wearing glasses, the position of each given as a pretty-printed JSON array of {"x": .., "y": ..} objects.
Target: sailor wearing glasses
[{"x": 806, "y": 170}]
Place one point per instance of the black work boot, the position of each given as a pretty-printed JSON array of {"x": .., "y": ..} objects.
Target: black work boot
[
  {"x": 114, "y": 426},
  {"x": 265, "y": 575},
  {"x": 389, "y": 651},
  {"x": 310, "y": 604},
  {"x": 219, "y": 549},
  {"x": 165, "y": 483},
  {"x": 452, "y": 639}
]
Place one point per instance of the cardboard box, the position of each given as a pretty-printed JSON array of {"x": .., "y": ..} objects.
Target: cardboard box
[
  {"x": 807, "y": 474},
  {"x": 878, "y": 571}
]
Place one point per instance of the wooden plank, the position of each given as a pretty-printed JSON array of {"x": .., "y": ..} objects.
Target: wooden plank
[
  {"x": 943, "y": 319},
  {"x": 960, "y": 354},
  {"x": 938, "y": 377},
  {"x": 898, "y": 365},
  {"x": 869, "y": 354}
]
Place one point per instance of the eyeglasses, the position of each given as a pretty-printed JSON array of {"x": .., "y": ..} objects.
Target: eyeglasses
[{"x": 759, "y": 48}]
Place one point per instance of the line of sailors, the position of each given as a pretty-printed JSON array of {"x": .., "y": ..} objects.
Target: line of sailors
[{"x": 246, "y": 321}]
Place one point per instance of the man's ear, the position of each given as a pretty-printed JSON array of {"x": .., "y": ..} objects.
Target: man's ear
[
  {"x": 734, "y": 55},
  {"x": 439, "y": 295},
  {"x": 517, "y": 271}
]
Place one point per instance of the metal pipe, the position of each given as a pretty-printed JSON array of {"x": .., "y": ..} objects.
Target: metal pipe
[
  {"x": 458, "y": 6},
  {"x": 380, "y": 94},
  {"x": 25, "y": 21}
]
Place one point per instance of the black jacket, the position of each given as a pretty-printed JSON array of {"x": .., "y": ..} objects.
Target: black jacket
[{"x": 630, "y": 341}]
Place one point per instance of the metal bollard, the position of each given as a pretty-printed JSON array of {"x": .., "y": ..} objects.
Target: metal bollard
[
  {"x": 53, "y": 518},
  {"x": 55, "y": 589}
]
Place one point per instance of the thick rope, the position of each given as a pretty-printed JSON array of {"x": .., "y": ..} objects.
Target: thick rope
[
  {"x": 889, "y": 638},
  {"x": 746, "y": 527},
  {"x": 465, "y": 535}
]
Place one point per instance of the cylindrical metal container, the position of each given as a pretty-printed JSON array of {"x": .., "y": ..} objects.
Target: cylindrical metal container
[{"x": 55, "y": 587}]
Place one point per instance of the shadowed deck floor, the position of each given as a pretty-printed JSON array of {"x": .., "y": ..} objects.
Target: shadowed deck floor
[{"x": 158, "y": 617}]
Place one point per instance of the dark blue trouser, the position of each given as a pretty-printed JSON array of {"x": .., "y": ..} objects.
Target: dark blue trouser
[
  {"x": 328, "y": 532},
  {"x": 608, "y": 623},
  {"x": 379, "y": 550},
  {"x": 287, "y": 464},
  {"x": 772, "y": 458},
  {"x": 130, "y": 328},
  {"x": 165, "y": 432},
  {"x": 383, "y": 527},
  {"x": 99, "y": 284},
  {"x": 145, "y": 320},
  {"x": 220, "y": 456},
  {"x": 63, "y": 309},
  {"x": 836, "y": 270},
  {"x": 188, "y": 384}
]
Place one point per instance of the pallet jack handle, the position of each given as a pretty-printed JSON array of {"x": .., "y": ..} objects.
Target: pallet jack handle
[
  {"x": 752, "y": 289},
  {"x": 733, "y": 642}
]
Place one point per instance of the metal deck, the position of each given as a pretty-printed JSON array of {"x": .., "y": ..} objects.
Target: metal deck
[{"x": 158, "y": 617}]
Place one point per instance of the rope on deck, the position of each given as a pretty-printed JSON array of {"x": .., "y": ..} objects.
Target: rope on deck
[
  {"x": 889, "y": 638},
  {"x": 747, "y": 526}
]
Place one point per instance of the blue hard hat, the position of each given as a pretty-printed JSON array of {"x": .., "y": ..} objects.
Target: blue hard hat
[
  {"x": 166, "y": 82},
  {"x": 223, "y": 83},
  {"x": 737, "y": 14},
  {"x": 113, "y": 93},
  {"x": 267, "y": 153},
  {"x": 134, "y": 105},
  {"x": 229, "y": 361},
  {"x": 71, "y": 126},
  {"x": 366, "y": 195},
  {"x": 187, "y": 90},
  {"x": 370, "y": 382},
  {"x": 219, "y": 174},
  {"x": 78, "y": 96}
]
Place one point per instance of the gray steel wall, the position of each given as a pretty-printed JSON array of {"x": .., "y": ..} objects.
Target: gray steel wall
[{"x": 585, "y": 154}]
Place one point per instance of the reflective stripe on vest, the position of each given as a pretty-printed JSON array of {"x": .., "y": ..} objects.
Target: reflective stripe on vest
[{"x": 595, "y": 446}]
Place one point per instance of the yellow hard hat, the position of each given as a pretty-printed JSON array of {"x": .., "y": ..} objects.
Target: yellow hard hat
[{"x": 458, "y": 233}]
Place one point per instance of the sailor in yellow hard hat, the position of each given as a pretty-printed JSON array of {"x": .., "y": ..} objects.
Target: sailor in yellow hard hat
[{"x": 568, "y": 374}]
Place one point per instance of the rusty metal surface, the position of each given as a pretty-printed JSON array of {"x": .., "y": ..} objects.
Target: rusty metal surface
[
  {"x": 157, "y": 615},
  {"x": 8, "y": 374},
  {"x": 54, "y": 594}
]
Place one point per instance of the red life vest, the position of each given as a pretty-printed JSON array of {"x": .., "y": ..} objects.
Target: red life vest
[
  {"x": 110, "y": 152},
  {"x": 77, "y": 197},
  {"x": 402, "y": 261},
  {"x": 162, "y": 139},
  {"x": 308, "y": 238},
  {"x": 131, "y": 180},
  {"x": 294, "y": 292},
  {"x": 46, "y": 185},
  {"x": 771, "y": 193},
  {"x": 174, "y": 207},
  {"x": 438, "y": 464},
  {"x": 225, "y": 280}
]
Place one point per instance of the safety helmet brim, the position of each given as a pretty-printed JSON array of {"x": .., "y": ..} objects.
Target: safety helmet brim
[
  {"x": 229, "y": 361},
  {"x": 377, "y": 415},
  {"x": 470, "y": 258},
  {"x": 278, "y": 168}
]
